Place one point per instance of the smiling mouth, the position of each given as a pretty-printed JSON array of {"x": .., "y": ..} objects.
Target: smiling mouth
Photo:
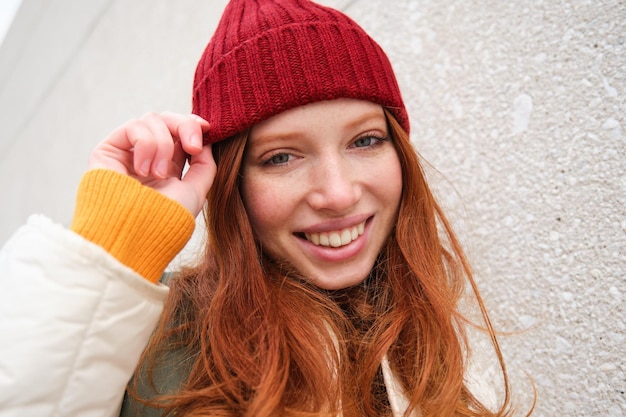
[{"x": 338, "y": 238}]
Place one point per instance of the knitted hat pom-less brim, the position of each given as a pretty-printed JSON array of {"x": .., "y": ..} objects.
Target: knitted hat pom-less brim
[{"x": 268, "y": 56}]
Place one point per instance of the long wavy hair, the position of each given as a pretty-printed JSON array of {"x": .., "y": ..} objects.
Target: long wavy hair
[{"x": 256, "y": 339}]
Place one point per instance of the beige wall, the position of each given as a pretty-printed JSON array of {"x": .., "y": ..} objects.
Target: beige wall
[{"x": 520, "y": 106}]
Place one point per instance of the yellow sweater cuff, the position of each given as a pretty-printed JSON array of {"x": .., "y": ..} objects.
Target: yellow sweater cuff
[{"x": 139, "y": 226}]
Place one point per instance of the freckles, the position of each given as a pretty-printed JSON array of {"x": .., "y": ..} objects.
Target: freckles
[
  {"x": 389, "y": 171},
  {"x": 390, "y": 179},
  {"x": 265, "y": 202}
]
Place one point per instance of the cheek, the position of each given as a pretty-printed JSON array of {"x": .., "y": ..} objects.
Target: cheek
[
  {"x": 389, "y": 181},
  {"x": 398, "y": 185},
  {"x": 261, "y": 202}
]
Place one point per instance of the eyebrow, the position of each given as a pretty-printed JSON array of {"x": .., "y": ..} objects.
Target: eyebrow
[{"x": 365, "y": 117}]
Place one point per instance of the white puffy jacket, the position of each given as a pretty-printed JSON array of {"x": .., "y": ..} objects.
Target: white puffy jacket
[{"x": 73, "y": 323}]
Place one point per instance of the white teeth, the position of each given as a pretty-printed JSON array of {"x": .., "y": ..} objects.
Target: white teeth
[
  {"x": 337, "y": 238},
  {"x": 346, "y": 237}
]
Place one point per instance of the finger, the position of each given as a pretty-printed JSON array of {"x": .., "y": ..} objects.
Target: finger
[
  {"x": 178, "y": 160},
  {"x": 107, "y": 156},
  {"x": 201, "y": 173},
  {"x": 117, "y": 150},
  {"x": 163, "y": 143},
  {"x": 143, "y": 147},
  {"x": 134, "y": 141},
  {"x": 188, "y": 128}
]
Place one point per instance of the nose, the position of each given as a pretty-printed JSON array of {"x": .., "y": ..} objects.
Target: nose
[{"x": 335, "y": 186}]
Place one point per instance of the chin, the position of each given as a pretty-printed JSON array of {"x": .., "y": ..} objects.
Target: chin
[{"x": 337, "y": 284}]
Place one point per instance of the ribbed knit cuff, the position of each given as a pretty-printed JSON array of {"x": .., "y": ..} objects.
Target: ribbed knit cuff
[{"x": 139, "y": 226}]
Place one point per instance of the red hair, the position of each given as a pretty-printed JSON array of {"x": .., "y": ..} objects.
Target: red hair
[{"x": 259, "y": 340}]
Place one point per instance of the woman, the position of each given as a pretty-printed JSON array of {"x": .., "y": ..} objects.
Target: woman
[{"x": 330, "y": 278}]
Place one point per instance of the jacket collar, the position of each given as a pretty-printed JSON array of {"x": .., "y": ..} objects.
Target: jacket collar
[{"x": 397, "y": 397}]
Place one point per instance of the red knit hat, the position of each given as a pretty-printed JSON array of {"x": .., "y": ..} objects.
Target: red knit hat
[{"x": 268, "y": 56}]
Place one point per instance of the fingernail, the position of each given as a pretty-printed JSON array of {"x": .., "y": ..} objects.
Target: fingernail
[
  {"x": 144, "y": 169},
  {"x": 199, "y": 119},
  {"x": 161, "y": 168},
  {"x": 196, "y": 140}
]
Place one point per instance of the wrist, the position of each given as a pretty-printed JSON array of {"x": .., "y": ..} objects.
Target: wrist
[{"x": 139, "y": 226}]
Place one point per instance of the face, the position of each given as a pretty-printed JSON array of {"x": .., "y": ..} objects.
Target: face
[{"x": 321, "y": 185}]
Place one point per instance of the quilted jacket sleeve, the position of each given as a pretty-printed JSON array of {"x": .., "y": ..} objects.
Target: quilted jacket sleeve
[{"x": 73, "y": 323}]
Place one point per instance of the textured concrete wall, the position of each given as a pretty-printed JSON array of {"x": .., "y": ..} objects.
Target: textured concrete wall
[{"x": 519, "y": 105}]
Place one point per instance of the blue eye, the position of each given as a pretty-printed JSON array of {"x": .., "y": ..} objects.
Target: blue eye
[
  {"x": 278, "y": 159},
  {"x": 366, "y": 141}
]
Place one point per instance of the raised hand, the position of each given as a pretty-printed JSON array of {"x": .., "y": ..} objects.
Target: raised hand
[{"x": 154, "y": 150}]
